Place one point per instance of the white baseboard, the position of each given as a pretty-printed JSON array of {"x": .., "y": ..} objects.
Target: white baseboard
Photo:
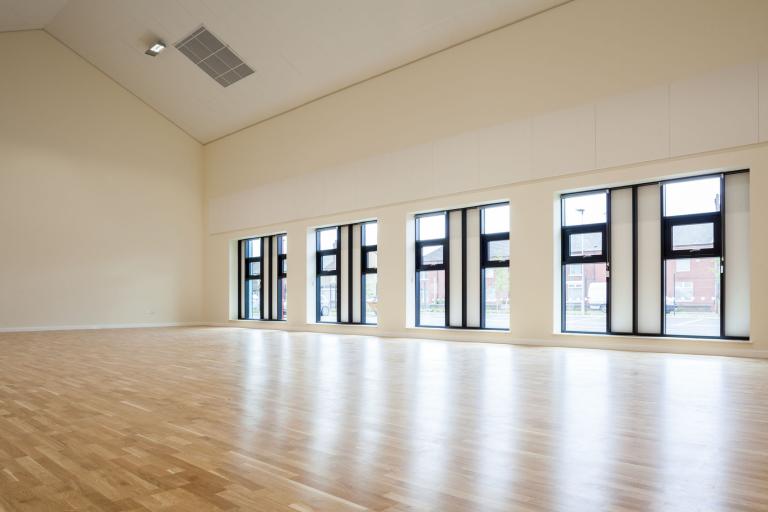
[
  {"x": 99, "y": 326},
  {"x": 640, "y": 345}
]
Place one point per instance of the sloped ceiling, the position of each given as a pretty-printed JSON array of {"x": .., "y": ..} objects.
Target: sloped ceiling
[{"x": 300, "y": 49}]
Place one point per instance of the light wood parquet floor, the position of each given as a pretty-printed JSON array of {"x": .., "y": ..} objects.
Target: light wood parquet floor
[{"x": 224, "y": 419}]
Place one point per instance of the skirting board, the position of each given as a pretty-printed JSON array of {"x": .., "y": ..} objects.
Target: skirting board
[
  {"x": 99, "y": 326},
  {"x": 556, "y": 341}
]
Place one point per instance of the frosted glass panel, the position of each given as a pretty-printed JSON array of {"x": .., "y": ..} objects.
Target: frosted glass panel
[
  {"x": 648, "y": 260},
  {"x": 473, "y": 268},
  {"x": 621, "y": 260},
  {"x": 455, "y": 283},
  {"x": 737, "y": 255},
  {"x": 344, "y": 268},
  {"x": 273, "y": 297},
  {"x": 357, "y": 282}
]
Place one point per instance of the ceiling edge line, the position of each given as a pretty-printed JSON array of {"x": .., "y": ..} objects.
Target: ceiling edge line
[
  {"x": 21, "y": 30},
  {"x": 97, "y": 68},
  {"x": 392, "y": 70}
]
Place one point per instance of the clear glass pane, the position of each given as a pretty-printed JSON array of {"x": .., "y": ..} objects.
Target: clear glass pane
[
  {"x": 370, "y": 284},
  {"x": 431, "y": 227},
  {"x": 370, "y": 233},
  {"x": 328, "y": 291},
  {"x": 586, "y": 244},
  {"x": 692, "y": 306},
  {"x": 328, "y": 238},
  {"x": 496, "y": 302},
  {"x": 432, "y": 298},
  {"x": 254, "y": 268},
  {"x": 253, "y": 248},
  {"x": 690, "y": 237},
  {"x": 283, "y": 285},
  {"x": 585, "y": 209},
  {"x": 586, "y": 296},
  {"x": 496, "y": 219},
  {"x": 432, "y": 255},
  {"x": 282, "y": 246},
  {"x": 692, "y": 196},
  {"x": 285, "y": 266},
  {"x": 372, "y": 260},
  {"x": 498, "y": 250},
  {"x": 253, "y": 298},
  {"x": 328, "y": 263}
]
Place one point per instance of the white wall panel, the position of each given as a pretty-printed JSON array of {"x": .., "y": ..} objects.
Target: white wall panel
[
  {"x": 621, "y": 260},
  {"x": 564, "y": 141},
  {"x": 456, "y": 156},
  {"x": 737, "y": 260},
  {"x": 633, "y": 127},
  {"x": 455, "y": 271},
  {"x": 505, "y": 153},
  {"x": 714, "y": 111},
  {"x": 473, "y": 267},
  {"x": 648, "y": 260}
]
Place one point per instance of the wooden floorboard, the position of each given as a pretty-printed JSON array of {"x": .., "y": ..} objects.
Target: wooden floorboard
[{"x": 212, "y": 419}]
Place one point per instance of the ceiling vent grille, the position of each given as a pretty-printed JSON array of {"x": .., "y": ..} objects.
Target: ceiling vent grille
[{"x": 214, "y": 57}]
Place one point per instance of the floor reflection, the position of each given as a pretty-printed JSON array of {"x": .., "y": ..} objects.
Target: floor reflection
[{"x": 441, "y": 426}]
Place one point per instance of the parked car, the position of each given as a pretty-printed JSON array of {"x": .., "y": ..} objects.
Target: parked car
[
  {"x": 670, "y": 305},
  {"x": 596, "y": 297}
]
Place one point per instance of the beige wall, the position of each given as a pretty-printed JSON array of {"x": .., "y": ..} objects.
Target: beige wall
[
  {"x": 100, "y": 197},
  {"x": 598, "y": 92}
]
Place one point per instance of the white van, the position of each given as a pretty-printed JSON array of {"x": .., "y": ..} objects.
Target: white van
[{"x": 596, "y": 296}]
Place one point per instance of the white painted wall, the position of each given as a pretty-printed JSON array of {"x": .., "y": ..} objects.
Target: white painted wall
[
  {"x": 580, "y": 96},
  {"x": 100, "y": 198}
]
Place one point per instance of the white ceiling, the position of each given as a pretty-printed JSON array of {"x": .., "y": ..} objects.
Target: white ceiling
[{"x": 300, "y": 49}]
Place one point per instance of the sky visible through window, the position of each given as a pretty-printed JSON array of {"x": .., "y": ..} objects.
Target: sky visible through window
[
  {"x": 496, "y": 219},
  {"x": 585, "y": 209},
  {"x": 432, "y": 227},
  {"x": 692, "y": 196}
]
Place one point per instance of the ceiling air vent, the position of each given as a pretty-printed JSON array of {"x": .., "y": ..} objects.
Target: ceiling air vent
[{"x": 214, "y": 57}]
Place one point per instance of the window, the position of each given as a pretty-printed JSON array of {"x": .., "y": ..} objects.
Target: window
[
  {"x": 282, "y": 277},
  {"x": 585, "y": 262},
  {"x": 494, "y": 250},
  {"x": 431, "y": 265},
  {"x": 328, "y": 275},
  {"x": 462, "y": 268},
  {"x": 692, "y": 234},
  {"x": 370, "y": 279},
  {"x": 648, "y": 259},
  {"x": 346, "y": 274},
  {"x": 263, "y": 278}
]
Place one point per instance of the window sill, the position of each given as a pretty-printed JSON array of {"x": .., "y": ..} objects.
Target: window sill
[
  {"x": 342, "y": 323},
  {"x": 458, "y": 329},
  {"x": 655, "y": 338},
  {"x": 258, "y": 320}
]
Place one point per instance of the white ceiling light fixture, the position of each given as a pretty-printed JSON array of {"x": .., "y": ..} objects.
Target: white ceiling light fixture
[{"x": 156, "y": 48}]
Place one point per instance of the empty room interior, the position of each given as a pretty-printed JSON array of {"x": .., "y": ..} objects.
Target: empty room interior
[{"x": 384, "y": 255}]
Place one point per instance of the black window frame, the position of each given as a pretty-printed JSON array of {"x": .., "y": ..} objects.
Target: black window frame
[
  {"x": 282, "y": 274},
  {"x": 716, "y": 251},
  {"x": 265, "y": 277},
  {"x": 365, "y": 269},
  {"x": 567, "y": 259},
  {"x": 486, "y": 263},
  {"x": 319, "y": 272},
  {"x": 445, "y": 266},
  {"x": 717, "y": 218}
]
